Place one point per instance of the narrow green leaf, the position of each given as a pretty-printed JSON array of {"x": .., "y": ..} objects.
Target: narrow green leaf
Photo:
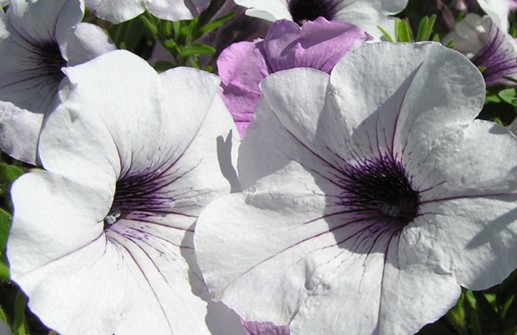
[
  {"x": 4, "y": 272},
  {"x": 197, "y": 49},
  {"x": 425, "y": 28},
  {"x": 20, "y": 322},
  {"x": 456, "y": 315},
  {"x": 513, "y": 31},
  {"x": 403, "y": 32},
  {"x": 475, "y": 325},
  {"x": 176, "y": 27},
  {"x": 3, "y": 316},
  {"x": 216, "y": 23},
  {"x": 396, "y": 30},
  {"x": 432, "y": 21},
  {"x": 506, "y": 306},
  {"x": 487, "y": 304},
  {"x": 166, "y": 28},
  {"x": 385, "y": 34},
  {"x": 422, "y": 31},
  {"x": 5, "y": 225},
  {"x": 153, "y": 29}
]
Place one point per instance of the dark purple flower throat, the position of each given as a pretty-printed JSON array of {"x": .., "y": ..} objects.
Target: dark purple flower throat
[
  {"x": 379, "y": 190},
  {"x": 310, "y": 10}
]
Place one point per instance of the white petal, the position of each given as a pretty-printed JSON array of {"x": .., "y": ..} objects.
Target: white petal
[
  {"x": 175, "y": 10},
  {"x": 115, "y": 11},
  {"x": 69, "y": 216},
  {"x": 404, "y": 101},
  {"x": 19, "y": 132},
  {"x": 211, "y": 146},
  {"x": 487, "y": 153},
  {"x": 371, "y": 13},
  {"x": 285, "y": 123},
  {"x": 120, "y": 117},
  {"x": 44, "y": 20},
  {"x": 88, "y": 286},
  {"x": 498, "y": 11},
  {"x": 415, "y": 284},
  {"x": 85, "y": 42},
  {"x": 269, "y": 221},
  {"x": 270, "y": 10},
  {"x": 470, "y": 34},
  {"x": 159, "y": 269},
  {"x": 478, "y": 245},
  {"x": 347, "y": 295}
]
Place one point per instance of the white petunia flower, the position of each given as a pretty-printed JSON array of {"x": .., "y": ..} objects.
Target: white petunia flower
[
  {"x": 498, "y": 11},
  {"x": 371, "y": 196},
  {"x": 38, "y": 39},
  {"x": 366, "y": 14},
  {"x": 117, "y": 11},
  {"x": 101, "y": 242},
  {"x": 488, "y": 47}
]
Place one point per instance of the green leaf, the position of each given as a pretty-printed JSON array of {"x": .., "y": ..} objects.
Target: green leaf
[
  {"x": 3, "y": 316},
  {"x": 487, "y": 305},
  {"x": 127, "y": 35},
  {"x": 475, "y": 325},
  {"x": 473, "y": 304},
  {"x": 456, "y": 315},
  {"x": 449, "y": 44},
  {"x": 153, "y": 29},
  {"x": 196, "y": 50},
  {"x": 506, "y": 306},
  {"x": 163, "y": 65},
  {"x": 5, "y": 225},
  {"x": 492, "y": 98},
  {"x": 216, "y": 23},
  {"x": 402, "y": 31},
  {"x": 425, "y": 28},
  {"x": 8, "y": 173},
  {"x": 385, "y": 34},
  {"x": 20, "y": 322},
  {"x": 509, "y": 96},
  {"x": 4, "y": 272}
]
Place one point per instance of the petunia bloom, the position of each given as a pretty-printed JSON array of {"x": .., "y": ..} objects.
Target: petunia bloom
[
  {"x": 498, "y": 11},
  {"x": 101, "y": 242},
  {"x": 488, "y": 47},
  {"x": 117, "y": 11},
  {"x": 37, "y": 40},
  {"x": 318, "y": 44},
  {"x": 367, "y": 14},
  {"x": 371, "y": 196}
]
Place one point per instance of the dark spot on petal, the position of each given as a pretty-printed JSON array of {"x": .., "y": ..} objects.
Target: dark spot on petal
[
  {"x": 310, "y": 10},
  {"x": 379, "y": 189}
]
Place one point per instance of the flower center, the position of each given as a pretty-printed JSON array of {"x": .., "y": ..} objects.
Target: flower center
[
  {"x": 137, "y": 195},
  {"x": 50, "y": 60},
  {"x": 112, "y": 217},
  {"x": 309, "y": 10},
  {"x": 379, "y": 190}
]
